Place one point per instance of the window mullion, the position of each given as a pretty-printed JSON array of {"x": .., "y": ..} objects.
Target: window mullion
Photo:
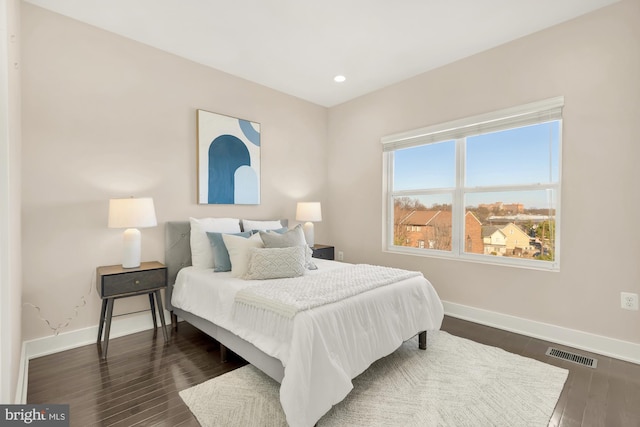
[
  {"x": 423, "y": 192},
  {"x": 518, "y": 187},
  {"x": 457, "y": 231},
  {"x": 388, "y": 236}
]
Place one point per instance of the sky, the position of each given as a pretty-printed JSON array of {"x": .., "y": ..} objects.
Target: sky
[{"x": 526, "y": 155}]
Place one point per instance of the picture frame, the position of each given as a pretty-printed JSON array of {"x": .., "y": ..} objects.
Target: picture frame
[{"x": 228, "y": 159}]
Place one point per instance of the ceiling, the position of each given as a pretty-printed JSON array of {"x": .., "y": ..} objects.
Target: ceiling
[{"x": 298, "y": 46}]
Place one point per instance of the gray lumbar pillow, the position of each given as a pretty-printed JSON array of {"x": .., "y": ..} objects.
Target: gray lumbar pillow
[{"x": 275, "y": 263}]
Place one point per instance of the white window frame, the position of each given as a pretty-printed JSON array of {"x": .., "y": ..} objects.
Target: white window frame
[{"x": 458, "y": 130}]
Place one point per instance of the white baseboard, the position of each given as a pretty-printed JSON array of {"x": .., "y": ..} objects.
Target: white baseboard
[
  {"x": 122, "y": 326},
  {"x": 31, "y": 349},
  {"x": 618, "y": 349},
  {"x": 23, "y": 377}
]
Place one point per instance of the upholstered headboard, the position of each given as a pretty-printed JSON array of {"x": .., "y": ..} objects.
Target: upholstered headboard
[{"x": 177, "y": 252}]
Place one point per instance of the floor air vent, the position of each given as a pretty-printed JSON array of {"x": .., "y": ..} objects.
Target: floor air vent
[{"x": 572, "y": 357}]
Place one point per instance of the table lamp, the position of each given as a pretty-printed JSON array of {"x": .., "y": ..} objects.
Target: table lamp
[
  {"x": 132, "y": 213},
  {"x": 310, "y": 212}
]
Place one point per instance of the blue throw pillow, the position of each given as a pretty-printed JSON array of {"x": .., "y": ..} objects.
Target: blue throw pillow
[{"x": 221, "y": 261}]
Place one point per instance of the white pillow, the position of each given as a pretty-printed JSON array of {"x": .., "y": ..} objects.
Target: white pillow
[
  {"x": 248, "y": 225},
  {"x": 201, "y": 252},
  {"x": 238, "y": 248},
  {"x": 275, "y": 263}
]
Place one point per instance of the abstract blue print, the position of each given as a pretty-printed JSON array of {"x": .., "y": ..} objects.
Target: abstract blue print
[
  {"x": 228, "y": 160},
  {"x": 250, "y": 132}
]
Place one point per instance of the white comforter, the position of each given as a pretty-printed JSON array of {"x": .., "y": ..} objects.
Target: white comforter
[{"x": 321, "y": 349}]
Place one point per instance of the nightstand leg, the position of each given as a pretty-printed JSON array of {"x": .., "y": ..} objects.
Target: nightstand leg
[
  {"x": 153, "y": 310},
  {"x": 102, "y": 312},
  {"x": 108, "y": 327},
  {"x": 161, "y": 310}
]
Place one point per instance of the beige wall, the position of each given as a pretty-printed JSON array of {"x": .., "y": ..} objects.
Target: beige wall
[
  {"x": 105, "y": 117},
  {"x": 594, "y": 62},
  {"x": 10, "y": 264}
]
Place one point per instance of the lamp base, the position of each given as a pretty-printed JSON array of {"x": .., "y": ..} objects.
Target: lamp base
[
  {"x": 307, "y": 228},
  {"x": 131, "y": 248}
]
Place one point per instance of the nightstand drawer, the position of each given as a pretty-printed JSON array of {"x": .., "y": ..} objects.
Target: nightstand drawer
[
  {"x": 323, "y": 252},
  {"x": 138, "y": 281}
]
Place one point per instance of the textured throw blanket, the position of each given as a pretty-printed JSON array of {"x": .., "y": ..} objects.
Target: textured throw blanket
[{"x": 287, "y": 297}]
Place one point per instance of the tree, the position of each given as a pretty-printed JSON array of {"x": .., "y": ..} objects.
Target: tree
[
  {"x": 546, "y": 231},
  {"x": 441, "y": 207},
  {"x": 549, "y": 256},
  {"x": 529, "y": 228},
  {"x": 408, "y": 204}
]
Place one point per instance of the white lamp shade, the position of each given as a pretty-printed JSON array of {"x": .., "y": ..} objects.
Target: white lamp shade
[
  {"x": 132, "y": 213},
  {"x": 309, "y": 211}
]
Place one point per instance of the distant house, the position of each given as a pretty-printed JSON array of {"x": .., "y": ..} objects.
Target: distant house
[
  {"x": 425, "y": 229},
  {"x": 508, "y": 240},
  {"x": 494, "y": 240},
  {"x": 431, "y": 229},
  {"x": 517, "y": 240},
  {"x": 473, "y": 239}
]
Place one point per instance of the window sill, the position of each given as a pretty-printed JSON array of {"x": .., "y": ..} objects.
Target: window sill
[{"x": 529, "y": 264}]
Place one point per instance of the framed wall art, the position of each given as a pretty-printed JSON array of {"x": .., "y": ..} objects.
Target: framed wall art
[{"x": 228, "y": 160}]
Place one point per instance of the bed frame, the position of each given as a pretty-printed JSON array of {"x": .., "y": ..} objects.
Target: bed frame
[{"x": 178, "y": 256}]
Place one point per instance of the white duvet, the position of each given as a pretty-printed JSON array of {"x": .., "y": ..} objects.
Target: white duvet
[{"x": 321, "y": 349}]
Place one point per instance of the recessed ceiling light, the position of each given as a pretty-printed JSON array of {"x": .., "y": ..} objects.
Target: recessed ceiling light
[{"x": 339, "y": 79}]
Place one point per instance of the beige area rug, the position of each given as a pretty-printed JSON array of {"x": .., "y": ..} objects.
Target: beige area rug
[{"x": 455, "y": 382}]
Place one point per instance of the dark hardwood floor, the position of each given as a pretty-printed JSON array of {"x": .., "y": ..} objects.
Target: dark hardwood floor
[{"x": 139, "y": 383}]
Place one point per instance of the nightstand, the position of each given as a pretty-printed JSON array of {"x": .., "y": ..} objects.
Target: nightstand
[
  {"x": 323, "y": 251},
  {"x": 114, "y": 281}
]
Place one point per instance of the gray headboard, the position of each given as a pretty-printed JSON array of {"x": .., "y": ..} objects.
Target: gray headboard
[{"x": 177, "y": 252}]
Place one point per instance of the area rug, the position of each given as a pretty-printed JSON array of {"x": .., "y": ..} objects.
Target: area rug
[{"x": 455, "y": 382}]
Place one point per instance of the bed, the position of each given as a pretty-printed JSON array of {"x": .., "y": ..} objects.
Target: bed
[{"x": 313, "y": 353}]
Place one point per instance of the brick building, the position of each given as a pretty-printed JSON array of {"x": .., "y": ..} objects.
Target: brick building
[{"x": 431, "y": 229}]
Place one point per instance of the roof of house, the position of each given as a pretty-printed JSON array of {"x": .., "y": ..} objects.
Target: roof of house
[
  {"x": 431, "y": 217},
  {"x": 489, "y": 230},
  {"x": 516, "y": 226},
  {"x": 421, "y": 217}
]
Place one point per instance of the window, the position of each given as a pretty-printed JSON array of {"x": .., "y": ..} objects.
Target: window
[{"x": 485, "y": 188}]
